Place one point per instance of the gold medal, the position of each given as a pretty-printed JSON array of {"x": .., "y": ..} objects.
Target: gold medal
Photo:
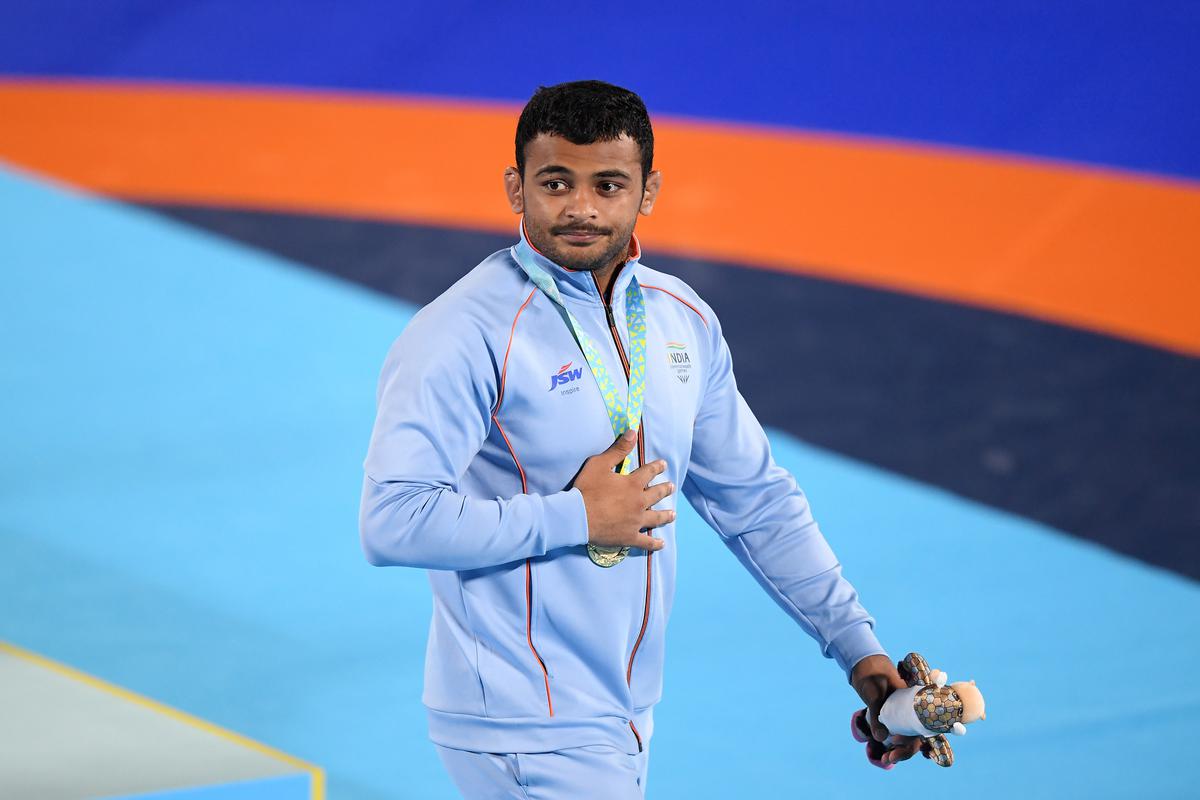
[{"x": 606, "y": 556}]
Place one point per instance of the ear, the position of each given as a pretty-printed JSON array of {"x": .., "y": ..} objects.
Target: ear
[
  {"x": 650, "y": 193},
  {"x": 514, "y": 189}
]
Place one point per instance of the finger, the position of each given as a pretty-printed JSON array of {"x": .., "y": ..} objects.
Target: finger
[
  {"x": 879, "y": 731},
  {"x": 656, "y": 519},
  {"x": 657, "y": 492},
  {"x": 647, "y": 542},
  {"x": 877, "y": 755},
  {"x": 647, "y": 472},
  {"x": 618, "y": 450},
  {"x": 903, "y": 751}
]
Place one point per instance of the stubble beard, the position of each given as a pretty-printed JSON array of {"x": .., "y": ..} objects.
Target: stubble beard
[{"x": 564, "y": 256}]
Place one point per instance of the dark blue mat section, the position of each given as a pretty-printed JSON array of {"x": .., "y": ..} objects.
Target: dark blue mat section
[
  {"x": 1088, "y": 434},
  {"x": 1108, "y": 83}
]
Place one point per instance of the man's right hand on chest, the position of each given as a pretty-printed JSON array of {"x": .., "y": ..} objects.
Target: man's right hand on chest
[{"x": 618, "y": 506}]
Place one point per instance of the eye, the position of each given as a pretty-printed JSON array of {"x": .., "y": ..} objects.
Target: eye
[
  {"x": 608, "y": 187},
  {"x": 555, "y": 185}
]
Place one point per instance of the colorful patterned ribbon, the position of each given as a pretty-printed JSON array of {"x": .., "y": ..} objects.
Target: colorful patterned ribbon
[{"x": 624, "y": 412}]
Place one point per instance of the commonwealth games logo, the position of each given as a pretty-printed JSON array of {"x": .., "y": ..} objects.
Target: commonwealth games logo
[{"x": 679, "y": 361}]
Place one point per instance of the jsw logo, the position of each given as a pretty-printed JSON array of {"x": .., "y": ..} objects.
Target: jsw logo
[{"x": 565, "y": 375}]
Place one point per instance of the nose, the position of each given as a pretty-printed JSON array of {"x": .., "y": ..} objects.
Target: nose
[{"x": 579, "y": 205}]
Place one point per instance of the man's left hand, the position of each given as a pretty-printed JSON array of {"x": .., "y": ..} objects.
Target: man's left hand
[{"x": 875, "y": 678}]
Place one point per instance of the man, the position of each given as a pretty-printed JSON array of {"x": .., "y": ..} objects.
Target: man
[{"x": 550, "y": 545}]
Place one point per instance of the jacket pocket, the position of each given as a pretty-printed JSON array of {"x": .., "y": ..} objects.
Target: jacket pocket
[{"x": 532, "y": 618}]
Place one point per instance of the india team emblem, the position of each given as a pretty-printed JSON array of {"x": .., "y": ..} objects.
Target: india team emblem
[{"x": 679, "y": 361}]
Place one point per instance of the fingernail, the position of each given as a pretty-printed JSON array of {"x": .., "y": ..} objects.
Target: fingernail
[
  {"x": 672, "y": 516},
  {"x": 629, "y": 434}
]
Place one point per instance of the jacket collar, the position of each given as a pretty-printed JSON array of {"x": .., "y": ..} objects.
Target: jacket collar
[{"x": 580, "y": 284}]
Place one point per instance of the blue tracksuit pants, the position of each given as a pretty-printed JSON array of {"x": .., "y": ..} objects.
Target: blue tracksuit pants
[{"x": 596, "y": 772}]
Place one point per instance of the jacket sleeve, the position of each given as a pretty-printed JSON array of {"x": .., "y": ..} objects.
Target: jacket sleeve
[
  {"x": 436, "y": 393},
  {"x": 763, "y": 516}
]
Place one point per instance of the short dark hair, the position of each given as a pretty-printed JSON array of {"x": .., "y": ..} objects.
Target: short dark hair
[{"x": 583, "y": 112}]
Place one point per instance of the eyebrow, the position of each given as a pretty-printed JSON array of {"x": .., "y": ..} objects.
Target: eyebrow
[{"x": 551, "y": 169}]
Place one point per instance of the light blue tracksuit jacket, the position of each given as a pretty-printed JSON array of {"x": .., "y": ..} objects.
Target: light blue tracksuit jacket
[{"x": 486, "y": 412}]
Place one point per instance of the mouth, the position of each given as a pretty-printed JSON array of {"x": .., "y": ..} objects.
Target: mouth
[{"x": 580, "y": 236}]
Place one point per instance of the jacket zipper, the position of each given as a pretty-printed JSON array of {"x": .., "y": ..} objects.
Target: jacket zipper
[{"x": 612, "y": 329}]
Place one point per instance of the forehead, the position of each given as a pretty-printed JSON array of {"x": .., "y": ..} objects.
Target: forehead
[{"x": 622, "y": 153}]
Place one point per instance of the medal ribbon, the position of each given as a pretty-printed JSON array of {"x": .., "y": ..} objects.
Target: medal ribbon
[{"x": 623, "y": 412}]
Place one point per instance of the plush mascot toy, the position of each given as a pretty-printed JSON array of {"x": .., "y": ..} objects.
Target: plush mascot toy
[{"x": 927, "y": 708}]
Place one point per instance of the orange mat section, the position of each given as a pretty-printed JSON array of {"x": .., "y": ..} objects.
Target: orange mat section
[{"x": 1098, "y": 249}]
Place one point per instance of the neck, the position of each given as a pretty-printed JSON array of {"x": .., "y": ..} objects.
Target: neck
[{"x": 605, "y": 276}]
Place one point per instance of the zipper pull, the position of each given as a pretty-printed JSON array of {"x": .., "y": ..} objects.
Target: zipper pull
[{"x": 612, "y": 323}]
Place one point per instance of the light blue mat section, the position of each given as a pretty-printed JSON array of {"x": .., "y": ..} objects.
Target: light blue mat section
[
  {"x": 289, "y": 787},
  {"x": 184, "y": 421}
]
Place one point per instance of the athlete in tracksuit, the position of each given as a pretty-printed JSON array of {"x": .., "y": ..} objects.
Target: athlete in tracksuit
[{"x": 540, "y": 664}]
